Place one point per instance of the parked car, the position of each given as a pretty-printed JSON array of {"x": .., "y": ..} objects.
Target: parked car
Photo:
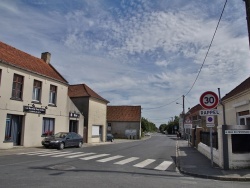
[
  {"x": 110, "y": 137},
  {"x": 63, "y": 139}
]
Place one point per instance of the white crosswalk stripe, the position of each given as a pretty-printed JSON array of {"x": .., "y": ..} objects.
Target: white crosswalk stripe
[
  {"x": 66, "y": 154},
  {"x": 164, "y": 165},
  {"x": 80, "y": 155},
  {"x": 110, "y": 158},
  {"x": 94, "y": 157},
  {"x": 54, "y": 153},
  {"x": 125, "y": 161},
  {"x": 103, "y": 158},
  {"x": 144, "y": 163}
]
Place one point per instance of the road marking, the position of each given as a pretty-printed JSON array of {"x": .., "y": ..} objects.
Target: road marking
[
  {"x": 94, "y": 157},
  {"x": 26, "y": 153},
  {"x": 53, "y": 153},
  {"x": 110, "y": 158},
  {"x": 66, "y": 154},
  {"x": 144, "y": 163},
  {"x": 164, "y": 165},
  {"x": 125, "y": 161},
  {"x": 80, "y": 155}
]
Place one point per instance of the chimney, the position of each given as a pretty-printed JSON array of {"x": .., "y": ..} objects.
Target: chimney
[{"x": 46, "y": 57}]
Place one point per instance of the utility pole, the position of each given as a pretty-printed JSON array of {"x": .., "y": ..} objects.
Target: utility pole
[
  {"x": 183, "y": 115},
  {"x": 247, "y": 3}
]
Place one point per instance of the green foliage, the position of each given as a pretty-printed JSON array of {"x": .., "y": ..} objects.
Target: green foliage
[
  {"x": 173, "y": 126},
  {"x": 147, "y": 126}
]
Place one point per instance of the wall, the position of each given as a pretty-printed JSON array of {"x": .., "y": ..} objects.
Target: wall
[
  {"x": 233, "y": 105},
  {"x": 97, "y": 116},
  {"x": 118, "y": 128}
]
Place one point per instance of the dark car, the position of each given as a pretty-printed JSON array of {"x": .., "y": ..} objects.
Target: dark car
[
  {"x": 63, "y": 139},
  {"x": 110, "y": 137}
]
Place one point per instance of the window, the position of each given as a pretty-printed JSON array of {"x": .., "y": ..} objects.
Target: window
[
  {"x": 244, "y": 118},
  {"x": 48, "y": 126},
  {"x": 17, "y": 88},
  {"x": 52, "y": 95},
  {"x": 37, "y": 91}
]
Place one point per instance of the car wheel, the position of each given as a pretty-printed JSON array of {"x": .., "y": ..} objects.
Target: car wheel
[
  {"x": 112, "y": 140},
  {"x": 79, "y": 144},
  {"x": 61, "y": 146},
  {"x": 46, "y": 147}
]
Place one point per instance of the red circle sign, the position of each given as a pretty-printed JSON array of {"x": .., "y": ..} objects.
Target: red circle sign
[{"x": 209, "y": 100}]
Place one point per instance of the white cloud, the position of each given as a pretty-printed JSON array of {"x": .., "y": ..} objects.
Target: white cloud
[{"x": 136, "y": 52}]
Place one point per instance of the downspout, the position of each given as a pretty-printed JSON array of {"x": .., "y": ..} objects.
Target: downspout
[{"x": 224, "y": 137}]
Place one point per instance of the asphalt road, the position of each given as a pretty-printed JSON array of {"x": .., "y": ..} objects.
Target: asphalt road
[{"x": 147, "y": 163}]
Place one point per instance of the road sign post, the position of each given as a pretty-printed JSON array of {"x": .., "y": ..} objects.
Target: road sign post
[{"x": 209, "y": 100}]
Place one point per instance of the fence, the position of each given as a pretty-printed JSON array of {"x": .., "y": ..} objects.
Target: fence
[{"x": 205, "y": 138}]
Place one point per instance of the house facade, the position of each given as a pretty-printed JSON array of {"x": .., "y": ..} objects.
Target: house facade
[
  {"x": 34, "y": 100},
  {"x": 124, "y": 121},
  {"x": 94, "y": 109}
]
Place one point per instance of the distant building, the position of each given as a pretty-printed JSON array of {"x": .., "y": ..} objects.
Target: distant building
[
  {"x": 124, "y": 121},
  {"x": 94, "y": 109}
]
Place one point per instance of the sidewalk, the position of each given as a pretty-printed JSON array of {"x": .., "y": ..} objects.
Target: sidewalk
[{"x": 191, "y": 162}]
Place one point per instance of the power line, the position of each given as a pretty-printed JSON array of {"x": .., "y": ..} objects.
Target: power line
[
  {"x": 208, "y": 49},
  {"x": 201, "y": 65}
]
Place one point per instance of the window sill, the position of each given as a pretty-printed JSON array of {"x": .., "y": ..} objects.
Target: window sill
[
  {"x": 36, "y": 102},
  {"x": 16, "y": 99},
  {"x": 52, "y": 105},
  {"x": 8, "y": 141}
]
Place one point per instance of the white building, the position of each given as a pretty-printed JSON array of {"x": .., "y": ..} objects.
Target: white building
[{"x": 33, "y": 100}]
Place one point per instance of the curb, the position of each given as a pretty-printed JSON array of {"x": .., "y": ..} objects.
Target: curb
[{"x": 223, "y": 178}]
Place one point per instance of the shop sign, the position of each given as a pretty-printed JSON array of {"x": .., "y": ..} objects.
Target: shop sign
[
  {"x": 31, "y": 109},
  {"x": 74, "y": 115}
]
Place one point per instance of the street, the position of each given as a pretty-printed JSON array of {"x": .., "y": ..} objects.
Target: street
[{"x": 144, "y": 163}]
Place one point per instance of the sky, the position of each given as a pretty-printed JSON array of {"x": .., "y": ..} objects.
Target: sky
[{"x": 136, "y": 52}]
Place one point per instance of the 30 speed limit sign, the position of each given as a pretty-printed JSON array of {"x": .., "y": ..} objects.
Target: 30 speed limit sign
[{"x": 209, "y": 100}]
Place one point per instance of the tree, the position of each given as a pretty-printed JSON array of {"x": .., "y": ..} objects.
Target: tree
[
  {"x": 173, "y": 125},
  {"x": 147, "y": 126}
]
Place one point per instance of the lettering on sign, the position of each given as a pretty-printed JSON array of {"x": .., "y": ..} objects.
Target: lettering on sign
[
  {"x": 210, "y": 112},
  {"x": 237, "y": 131}
]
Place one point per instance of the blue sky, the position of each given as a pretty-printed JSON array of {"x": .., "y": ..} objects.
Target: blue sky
[{"x": 136, "y": 52}]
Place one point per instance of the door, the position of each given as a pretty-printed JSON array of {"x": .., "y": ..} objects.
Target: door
[
  {"x": 73, "y": 126},
  {"x": 16, "y": 124}
]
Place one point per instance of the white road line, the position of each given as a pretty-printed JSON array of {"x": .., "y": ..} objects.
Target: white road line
[
  {"x": 80, "y": 155},
  {"x": 94, "y": 157},
  {"x": 54, "y": 153},
  {"x": 144, "y": 163},
  {"x": 66, "y": 154},
  {"x": 125, "y": 161},
  {"x": 164, "y": 165},
  {"x": 110, "y": 158},
  {"x": 30, "y": 152}
]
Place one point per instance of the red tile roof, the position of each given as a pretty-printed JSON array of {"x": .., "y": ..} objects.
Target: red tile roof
[
  {"x": 14, "y": 57},
  {"x": 82, "y": 90},
  {"x": 240, "y": 88},
  {"x": 124, "y": 113}
]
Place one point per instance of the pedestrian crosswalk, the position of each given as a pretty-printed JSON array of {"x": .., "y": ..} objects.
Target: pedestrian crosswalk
[{"x": 103, "y": 158}]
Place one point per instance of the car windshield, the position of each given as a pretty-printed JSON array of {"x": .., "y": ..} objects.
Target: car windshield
[{"x": 60, "y": 135}]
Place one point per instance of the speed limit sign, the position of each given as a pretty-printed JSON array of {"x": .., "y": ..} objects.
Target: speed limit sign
[{"x": 209, "y": 100}]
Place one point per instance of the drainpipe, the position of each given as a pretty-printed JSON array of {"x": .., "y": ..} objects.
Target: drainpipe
[{"x": 224, "y": 137}]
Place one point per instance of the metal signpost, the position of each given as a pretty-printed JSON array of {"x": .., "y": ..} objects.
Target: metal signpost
[
  {"x": 209, "y": 100},
  {"x": 188, "y": 125}
]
